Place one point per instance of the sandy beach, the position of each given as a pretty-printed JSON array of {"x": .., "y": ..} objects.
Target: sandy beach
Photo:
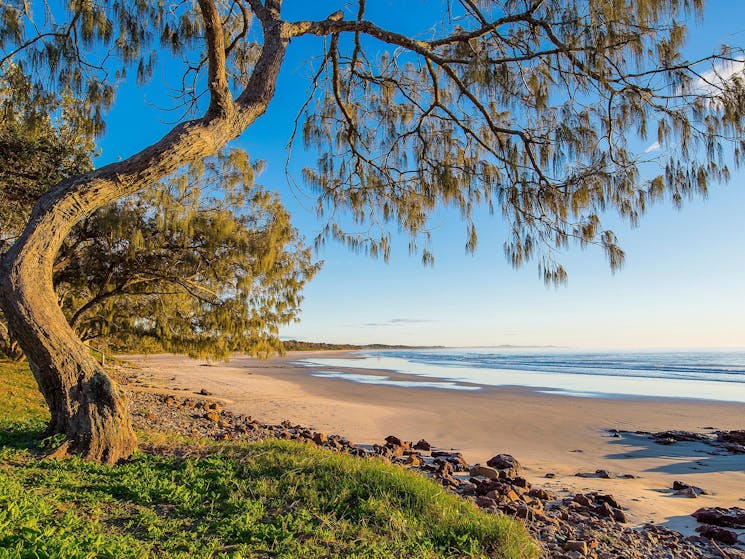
[{"x": 548, "y": 433}]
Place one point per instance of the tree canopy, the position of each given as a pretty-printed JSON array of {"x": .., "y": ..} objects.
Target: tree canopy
[
  {"x": 538, "y": 109},
  {"x": 534, "y": 108},
  {"x": 204, "y": 264},
  {"x": 43, "y": 139}
]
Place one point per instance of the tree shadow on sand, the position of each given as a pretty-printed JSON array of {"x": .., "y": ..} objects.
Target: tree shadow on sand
[{"x": 684, "y": 457}]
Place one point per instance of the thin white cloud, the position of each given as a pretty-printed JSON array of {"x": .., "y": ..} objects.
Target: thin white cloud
[
  {"x": 712, "y": 81},
  {"x": 653, "y": 147},
  {"x": 397, "y": 321}
]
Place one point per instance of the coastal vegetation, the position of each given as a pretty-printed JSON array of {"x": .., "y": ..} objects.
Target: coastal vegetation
[
  {"x": 299, "y": 345},
  {"x": 545, "y": 112},
  {"x": 202, "y": 499}
]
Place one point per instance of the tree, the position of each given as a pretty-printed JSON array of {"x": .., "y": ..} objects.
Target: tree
[
  {"x": 532, "y": 107},
  {"x": 203, "y": 264}
]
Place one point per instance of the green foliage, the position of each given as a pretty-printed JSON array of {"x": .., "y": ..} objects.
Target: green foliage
[
  {"x": 205, "y": 264},
  {"x": 21, "y": 403},
  {"x": 278, "y": 499},
  {"x": 534, "y": 109},
  {"x": 539, "y": 110},
  {"x": 41, "y": 143}
]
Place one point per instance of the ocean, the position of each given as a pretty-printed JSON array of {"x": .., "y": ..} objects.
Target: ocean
[{"x": 706, "y": 375}]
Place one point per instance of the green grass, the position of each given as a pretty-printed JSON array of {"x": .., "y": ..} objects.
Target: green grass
[{"x": 270, "y": 499}]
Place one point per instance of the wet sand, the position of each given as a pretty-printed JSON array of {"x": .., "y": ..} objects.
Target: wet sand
[{"x": 548, "y": 433}]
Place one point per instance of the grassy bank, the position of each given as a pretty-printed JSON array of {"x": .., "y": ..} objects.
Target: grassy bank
[{"x": 267, "y": 499}]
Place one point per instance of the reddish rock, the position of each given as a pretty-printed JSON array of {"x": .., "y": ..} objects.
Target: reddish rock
[
  {"x": 582, "y": 500},
  {"x": 486, "y": 502},
  {"x": 719, "y": 534},
  {"x": 540, "y": 494},
  {"x": 610, "y": 499},
  {"x": 728, "y": 518},
  {"x": 736, "y": 437},
  {"x": 521, "y": 482},
  {"x": 505, "y": 462},
  {"x": 413, "y": 460},
  {"x": 395, "y": 441},
  {"x": 320, "y": 438},
  {"x": 212, "y": 416},
  {"x": 512, "y": 495},
  {"x": 484, "y": 471},
  {"x": 396, "y": 452},
  {"x": 576, "y": 545},
  {"x": 422, "y": 445}
]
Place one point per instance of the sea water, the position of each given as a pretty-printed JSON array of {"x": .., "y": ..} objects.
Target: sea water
[{"x": 707, "y": 375}]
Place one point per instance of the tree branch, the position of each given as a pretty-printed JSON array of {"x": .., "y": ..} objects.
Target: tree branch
[{"x": 221, "y": 101}]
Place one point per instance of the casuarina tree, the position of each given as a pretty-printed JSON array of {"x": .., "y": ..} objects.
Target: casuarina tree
[{"x": 540, "y": 109}]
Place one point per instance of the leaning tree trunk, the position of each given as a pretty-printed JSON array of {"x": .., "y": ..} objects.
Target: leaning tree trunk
[{"x": 85, "y": 404}]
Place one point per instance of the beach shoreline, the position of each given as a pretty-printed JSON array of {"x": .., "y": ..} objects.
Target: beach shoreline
[{"x": 549, "y": 433}]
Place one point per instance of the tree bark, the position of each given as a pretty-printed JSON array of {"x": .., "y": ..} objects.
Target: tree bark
[{"x": 85, "y": 404}]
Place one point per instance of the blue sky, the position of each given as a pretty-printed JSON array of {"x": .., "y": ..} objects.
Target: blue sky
[{"x": 682, "y": 285}]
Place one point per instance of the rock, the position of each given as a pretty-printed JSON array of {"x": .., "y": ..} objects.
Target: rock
[
  {"x": 486, "y": 502},
  {"x": 550, "y": 475},
  {"x": 728, "y": 518},
  {"x": 682, "y": 488},
  {"x": 413, "y": 460},
  {"x": 397, "y": 452},
  {"x": 689, "y": 492},
  {"x": 212, "y": 416},
  {"x": 467, "y": 488},
  {"x": 719, "y": 534},
  {"x": 610, "y": 499},
  {"x": 576, "y": 545},
  {"x": 484, "y": 471},
  {"x": 422, "y": 445},
  {"x": 619, "y": 516},
  {"x": 504, "y": 462},
  {"x": 395, "y": 441},
  {"x": 604, "y": 510},
  {"x": 671, "y": 437},
  {"x": 444, "y": 467},
  {"x": 214, "y": 406},
  {"x": 582, "y": 500},
  {"x": 605, "y": 474},
  {"x": 512, "y": 495},
  {"x": 539, "y": 493},
  {"x": 736, "y": 437},
  {"x": 205, "y": 392},
  {"x": 320, "y": 438},
  {"x": 521, "y": 482}
]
